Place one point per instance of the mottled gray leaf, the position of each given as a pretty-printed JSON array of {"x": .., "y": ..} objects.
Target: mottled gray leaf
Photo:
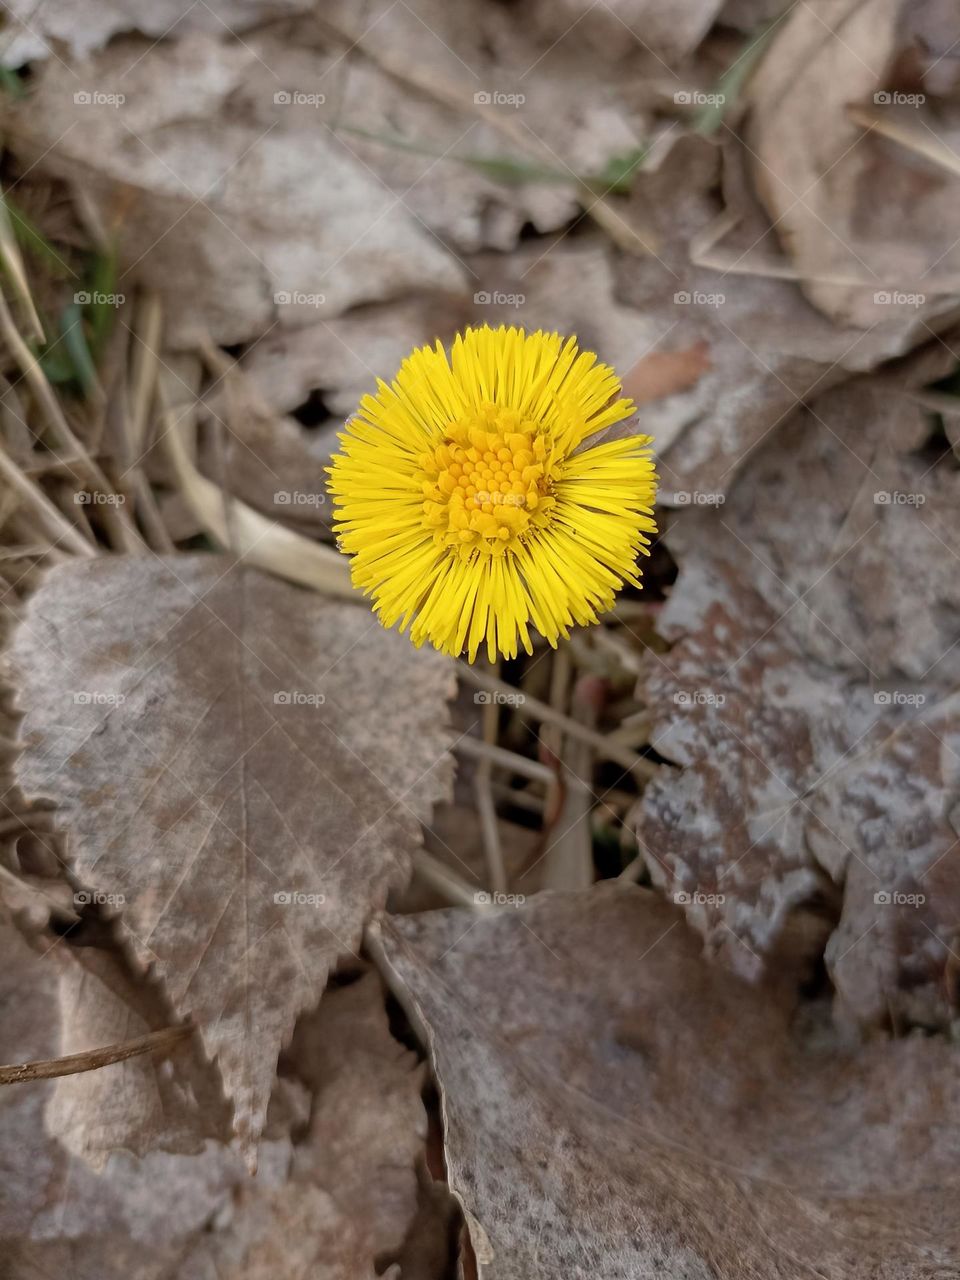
[
  {"x": 241, "y": 768},
  {"x": 616, "y": 1107},
  {"x": 809, "y": 697},
  {"x": 259, "y": 202}
]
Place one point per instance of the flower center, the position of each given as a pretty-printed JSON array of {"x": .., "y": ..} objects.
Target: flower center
[{"x": 487, "y": 485}]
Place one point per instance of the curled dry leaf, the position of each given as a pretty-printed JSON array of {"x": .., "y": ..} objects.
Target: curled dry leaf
[
  {"x": 240, "y": 769},
  {"x": 337, "y": 1201},
  {"x": 571, "y": 288},
  {"x": 273, "y": 465},
  {"x": 56, "y": 1214},
  {"x": 603, "y": 1119},
  {"x": 342, "y": 358},
  {"x": 153, "y": 1102},
  {"x": 768, "y": 348},
  {"x": 810, "y": 696},
  {"x": 865, "y": 221}
]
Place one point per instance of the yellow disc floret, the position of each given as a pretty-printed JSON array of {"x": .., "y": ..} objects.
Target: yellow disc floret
[{"x": 489, "y": 482}]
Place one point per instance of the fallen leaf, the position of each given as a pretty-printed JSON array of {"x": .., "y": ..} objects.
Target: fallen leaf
[
  {"x": 342, "y": 358},
  {"x": 352, "y": 1192},
  {"x": 769, "y": 349},
  {"x": 602, "y": 1118},
  {"x": 608, "y": 29},
  {"x": 864, "y": 221},
  {"x": 55, "y": 1210},
  {"x": 343, "y": 1203},
  {"x": 809, "y": 697},
  {"x": 240, "y": 769},
  {"x": 293, "y": 224},
  {"x": 665, "y": 373},
  {"x": 38, "y": 31},
  {"x": 144, "y": 1104},
  {"x": 273, "y": 465},
  {"x": 571, "y": 289},
  {"x": 484, "y": 126}
]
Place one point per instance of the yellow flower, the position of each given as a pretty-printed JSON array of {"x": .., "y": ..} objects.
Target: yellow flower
[{"x": 472, "y": 503}]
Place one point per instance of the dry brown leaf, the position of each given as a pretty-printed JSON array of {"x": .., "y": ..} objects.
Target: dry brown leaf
[
  {"x": 37, "y": 31},
  {"x": 666, "y": 373},
  {"x": 267, "y": 209},
  {"x": 865, "y": 222},
  {"x": 810, "y": 696},
  {"x": 240, "y": 769},
  {"x": 56, "y": 1215},
  {"x": 670, "y": 33},
  {"x": 273, "y": 465},
  {"x": 352, "y": 1193},
  {"x": 569, "y": 288},
  {"x": 484, "y": 125},
  {"x": 769, "y": 349},
  {"x": 148, "y": 1103},
  {"x": 603, "y": 1118},
  {"x": 342, "y": 1198},
  {"x": 343, "y": 357}
]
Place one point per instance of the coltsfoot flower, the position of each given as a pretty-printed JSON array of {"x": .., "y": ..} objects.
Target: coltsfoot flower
[{"x": 472, "y": 502}]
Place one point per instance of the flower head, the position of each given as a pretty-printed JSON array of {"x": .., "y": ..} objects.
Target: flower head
[{"x": 473, "y": 502}]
